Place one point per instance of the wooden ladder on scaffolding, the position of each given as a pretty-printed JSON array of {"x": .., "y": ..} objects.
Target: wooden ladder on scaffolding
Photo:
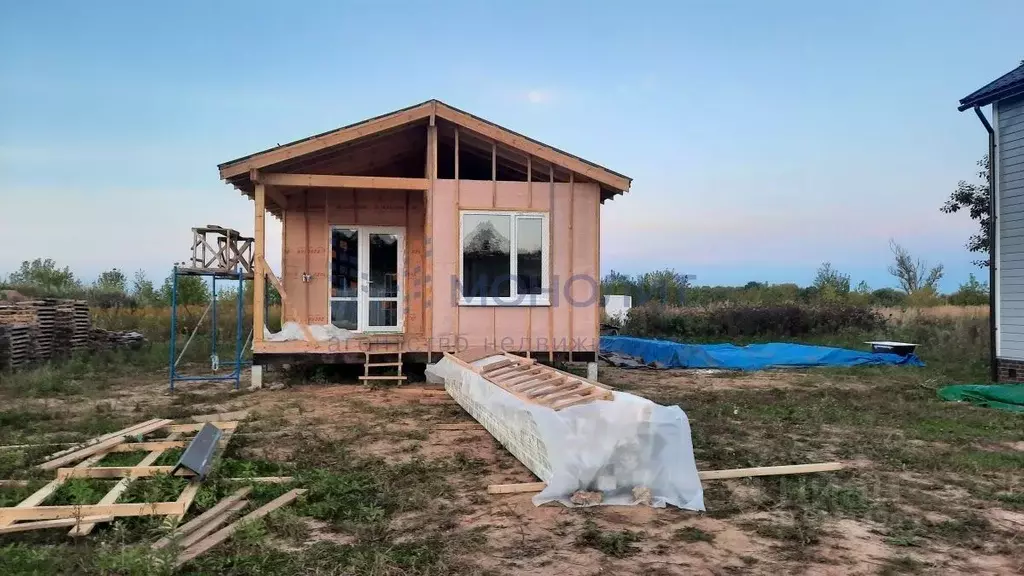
[{"x": 383, "y": 362}]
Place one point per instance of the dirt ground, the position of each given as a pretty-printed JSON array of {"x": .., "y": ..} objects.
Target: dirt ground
[{"x": 914, "y": 500}]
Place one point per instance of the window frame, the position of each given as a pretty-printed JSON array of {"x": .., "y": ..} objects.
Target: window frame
[
  {"x": 362, "y": 297},
  {"x": 514, "y": 298}
]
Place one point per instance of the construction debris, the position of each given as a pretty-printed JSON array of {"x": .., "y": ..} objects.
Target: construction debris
[
  {"x": 203, "y": 519},
  {"x": 203, "y": 545},
  {"x": 31, "y": 514},
  {"x": 576, "y": 434}
]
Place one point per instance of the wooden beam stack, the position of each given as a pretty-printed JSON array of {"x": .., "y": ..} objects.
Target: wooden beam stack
[
  {"x": 82, "y": 326},
  {"x": 46, "y": 321},
  {"x": 16, "y": 348},
  {"x": 63, "y": 329}
]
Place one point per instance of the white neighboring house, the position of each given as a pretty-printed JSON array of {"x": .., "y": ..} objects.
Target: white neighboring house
[{"x": 1006, "y": 146}]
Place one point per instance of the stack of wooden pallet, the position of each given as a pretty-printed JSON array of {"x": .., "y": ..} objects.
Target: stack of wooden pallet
[
  {"x": 16, "y": 349},
  {"x": 46, "y": 322},
  {"x": 63, "y": 329},
  {"x": 17, "y": 331},
  {"x": 82, "y": 326}
]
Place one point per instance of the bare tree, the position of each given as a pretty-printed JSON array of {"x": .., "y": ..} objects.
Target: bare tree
[{"x": 913, "y": 275}]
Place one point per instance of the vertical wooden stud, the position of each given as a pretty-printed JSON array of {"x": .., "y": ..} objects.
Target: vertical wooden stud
[
  {"x": 494, "y": 204},
  {"x": 597, "y": 274},
  {"x": 552, "y": 286},
  {"x": 458, "y": 239},
  {"x": 428, "y": 233},
  {"x": 572, "y": 264},
  {"x": 259, "y": 281},
  {"x": 529, "y": 193},
  {"x": 305, "y": 267}
]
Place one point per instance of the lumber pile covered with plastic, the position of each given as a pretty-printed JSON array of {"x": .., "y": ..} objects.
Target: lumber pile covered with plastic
[{"x": 589, "y": 447}]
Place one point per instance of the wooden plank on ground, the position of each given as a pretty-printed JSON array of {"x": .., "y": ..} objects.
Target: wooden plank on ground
[
  {"x": 37, "y": 497},
  {"x": 771, "y": 471},
  {"x": 61, "y": 523},
  {"x": 98, "y": 439},
  {"x": 222, "y": 417},
  {"x": 461, "y": 426},
  {"x": 103, "y": 446},
  {"x": 218, "y": 509},
  {"x": 122, "y": 485},
  {"x": 119, "y": 472},
  {"x": 197, "y": 427},
  {"x": 226, "y": 532},
  {"x": 213, "y": 524},
  {"x": 706, "y": 475},
  {"x": 14, "y": 514},
  {"x": 149, "y": 446},
  {"x": 264, "y": 479}
]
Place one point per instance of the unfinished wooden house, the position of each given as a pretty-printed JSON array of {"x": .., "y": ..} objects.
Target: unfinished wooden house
[{"x": 429, "y": 229}]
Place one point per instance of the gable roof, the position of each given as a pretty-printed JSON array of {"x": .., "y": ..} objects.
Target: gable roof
[
  {"x": 436, "y": 108},
  {"x": 1006, "y": 86}
]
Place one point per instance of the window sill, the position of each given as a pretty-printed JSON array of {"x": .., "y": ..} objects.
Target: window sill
[{"x": 510, "y": 302}]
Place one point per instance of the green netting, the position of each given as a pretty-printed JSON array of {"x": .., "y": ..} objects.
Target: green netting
[{"x": 1009, "y": 397}]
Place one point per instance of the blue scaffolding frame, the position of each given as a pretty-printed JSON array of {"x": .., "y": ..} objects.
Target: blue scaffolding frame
[{"x": 237, "y": 363}]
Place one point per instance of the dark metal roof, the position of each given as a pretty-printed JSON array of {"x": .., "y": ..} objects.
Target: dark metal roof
[{"x": 1006, "y": 86}]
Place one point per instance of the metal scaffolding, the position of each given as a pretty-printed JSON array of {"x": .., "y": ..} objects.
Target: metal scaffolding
[{"x": 238, "y": 275}]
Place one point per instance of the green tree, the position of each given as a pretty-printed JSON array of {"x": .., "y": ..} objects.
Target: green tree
[
  {"x": 970, "y": 293},
  {"x": 191, "y": 290},
  {"x": 112, "y": 280},
  {"x": 44, "y": 275},
  {"x": 975, "y": 198},
  {"x": 831, "y": 283},
  {"x": 143, "y": 290}
]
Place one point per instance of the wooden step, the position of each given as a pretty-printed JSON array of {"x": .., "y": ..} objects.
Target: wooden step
[
  {"x": 371, "y": 377},
  {"x": 375, "y": 364}
]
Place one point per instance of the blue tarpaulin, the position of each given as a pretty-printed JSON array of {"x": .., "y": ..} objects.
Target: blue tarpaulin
[{"x": 753, "y": 357}]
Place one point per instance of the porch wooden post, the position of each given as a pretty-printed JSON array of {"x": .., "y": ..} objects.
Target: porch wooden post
[
  {"x": 259, "y": 280},
  {"x": 428, "y": 232}
]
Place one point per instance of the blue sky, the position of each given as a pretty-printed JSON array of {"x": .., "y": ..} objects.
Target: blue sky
[{"x": 763, "y": 137}]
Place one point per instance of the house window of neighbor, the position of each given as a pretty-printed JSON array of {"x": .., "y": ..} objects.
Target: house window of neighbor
[{"x": 504, "y": 259}]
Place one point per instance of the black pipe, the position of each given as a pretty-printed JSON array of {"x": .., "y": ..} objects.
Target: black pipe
[{"x": 993, "y": 239}]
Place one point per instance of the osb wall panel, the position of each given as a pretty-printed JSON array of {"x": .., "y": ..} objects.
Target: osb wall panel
[
  {"x": 535, "y": 328},
  {"x": 306, "y": 240}
]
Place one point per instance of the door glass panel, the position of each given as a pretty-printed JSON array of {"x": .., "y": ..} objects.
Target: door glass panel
[
  {"x": 383, "y": 313},
  {"x": 383, "y": 267},
  {"x": 344, "y": 263},
  {"x": 529, "y": 243},
  {"x": 345, "y": 314},
  {"x": 486, "y": 256}
]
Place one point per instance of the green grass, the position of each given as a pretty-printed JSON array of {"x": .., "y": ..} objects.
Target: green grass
[
  {"x": 692, "y": 534},
  {"x": 618, "y": 544}
]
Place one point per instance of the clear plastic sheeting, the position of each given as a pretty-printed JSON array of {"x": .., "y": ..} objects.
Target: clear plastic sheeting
[
  {"x": 292, "y": 331},
  {"x": 630, "y": 450}
]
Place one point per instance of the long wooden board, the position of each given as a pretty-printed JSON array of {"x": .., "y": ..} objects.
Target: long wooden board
[
  {"x": 525, "y": 487},
  {"x": 104, "y": 445},
  {"x": 218, "y": 509},
  {"x": 61, "y": 523},
  {"x": 227, "y": 531},
  {"x": 54, "y": 512}
]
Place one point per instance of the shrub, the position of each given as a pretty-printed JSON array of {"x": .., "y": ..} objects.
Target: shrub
[{"x": 655, "y": 320}]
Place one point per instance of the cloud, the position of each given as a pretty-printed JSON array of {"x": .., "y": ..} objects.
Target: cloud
[{"x": 539, "y": 96}]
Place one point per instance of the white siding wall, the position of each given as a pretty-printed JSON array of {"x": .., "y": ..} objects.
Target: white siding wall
[{"x": 1009, "y": 120}]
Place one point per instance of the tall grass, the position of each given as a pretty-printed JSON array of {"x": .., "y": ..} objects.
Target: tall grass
[
  {"x": 954, "y": 339},
  {"x": 154, "y": 322}
]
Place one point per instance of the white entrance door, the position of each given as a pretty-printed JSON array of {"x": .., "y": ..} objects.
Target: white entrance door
[{"x": 367, "y": 268}]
